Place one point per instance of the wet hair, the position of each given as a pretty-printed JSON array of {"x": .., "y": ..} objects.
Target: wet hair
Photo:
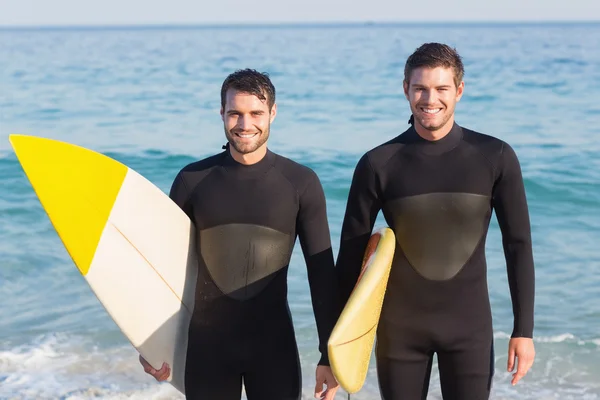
[
  {"x": 433, "y": 55},
  {"x": 252, "y": 82}
]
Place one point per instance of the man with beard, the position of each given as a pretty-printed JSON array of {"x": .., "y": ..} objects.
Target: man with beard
[
  {"x": 437, "y": 184},
  {"x": 248, "y": 205}
]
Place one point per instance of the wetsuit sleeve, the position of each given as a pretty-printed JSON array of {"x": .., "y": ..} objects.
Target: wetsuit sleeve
[
  {"x": 180, "y": 194},
  {"x": 361, "y": 212},
  {"x": 510, "y": 204},
  {"x": 315, "y": 240}
]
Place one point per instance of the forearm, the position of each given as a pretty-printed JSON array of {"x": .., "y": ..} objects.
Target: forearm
[
  {"x": 324, "y": 296},
  {"x": 521, "y": 277}
]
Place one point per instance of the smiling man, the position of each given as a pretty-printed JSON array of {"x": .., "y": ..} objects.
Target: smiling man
[
  {"x": 249, "y": 205},
  {"x": 437, "y": 184}
]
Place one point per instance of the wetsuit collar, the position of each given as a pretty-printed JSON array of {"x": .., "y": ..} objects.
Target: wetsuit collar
[
  {"x": 248, "y": 171},
  {"x": 443, "y": 145}
]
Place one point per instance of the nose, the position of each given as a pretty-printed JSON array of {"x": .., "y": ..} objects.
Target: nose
[
  {"x": 430, "y": 96},
  {"x": 245, "y": 123}
]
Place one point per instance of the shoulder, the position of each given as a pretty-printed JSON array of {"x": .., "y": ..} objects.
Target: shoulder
[
  {"x": 191, "y": 174},
  {"x": 203, "y": 164},
  {"x": 290, "y": 166},
  {"x": 298, "y": 175},
  {"x": 482, "y": 141},
  {"x": 489, "y": 145},
  {"x": 377, "y": 157},
  {"x": 494, "y": 149}
]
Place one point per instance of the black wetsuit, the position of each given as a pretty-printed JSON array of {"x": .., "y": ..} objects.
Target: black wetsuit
[
  {"x": 438, "y": 197},
  {"x": 247, "y": 219}
]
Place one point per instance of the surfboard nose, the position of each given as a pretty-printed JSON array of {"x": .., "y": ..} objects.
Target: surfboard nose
[{"x": 77, "y": 188}]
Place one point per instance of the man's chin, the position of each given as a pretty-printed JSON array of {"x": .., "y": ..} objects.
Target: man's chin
[
  {"x": 243, "y": 149},
  {"x": 433, "y": 127}
]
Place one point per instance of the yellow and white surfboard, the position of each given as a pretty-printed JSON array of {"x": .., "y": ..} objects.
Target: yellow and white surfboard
[
  {"x": 351, "y": 341},
  {"x": 131, "y": 242}
]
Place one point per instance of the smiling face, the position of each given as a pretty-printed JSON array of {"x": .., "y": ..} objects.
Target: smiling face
[
  {"x": 432, "y": 94},
  {"x": 247, "y": 121}
]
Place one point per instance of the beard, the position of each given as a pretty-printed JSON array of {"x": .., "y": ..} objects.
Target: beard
[{"x": 247, "y": 146}]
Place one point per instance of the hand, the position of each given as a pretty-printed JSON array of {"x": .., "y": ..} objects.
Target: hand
[
  {"x": 158, "y": 374},
  {"x": 524, "y": 351},
  {"x": 325, "y": 377}
]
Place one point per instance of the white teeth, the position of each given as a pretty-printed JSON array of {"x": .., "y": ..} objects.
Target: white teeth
[
  {"x": 431, "y": 110},
  {"x": 246, "y": 136}
]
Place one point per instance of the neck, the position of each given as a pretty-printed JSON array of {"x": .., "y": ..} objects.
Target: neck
[
  {"x": 249, "y": 158},
  {"x": 437, "y": 134}
]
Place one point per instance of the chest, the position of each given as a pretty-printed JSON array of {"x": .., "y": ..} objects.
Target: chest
[
  {"x": 457, "y": 171},
  {"x": 222, "y": 199}
]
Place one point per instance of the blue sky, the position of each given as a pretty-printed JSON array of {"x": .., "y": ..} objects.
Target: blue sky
[{"x": 103, "y": 12}]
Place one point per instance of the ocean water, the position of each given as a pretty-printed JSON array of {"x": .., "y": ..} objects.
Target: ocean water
[{"x": 150, "y": 98}]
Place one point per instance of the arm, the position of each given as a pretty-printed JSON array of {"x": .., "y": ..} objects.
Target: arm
[
  {"x": 179, "y": 193},
  {"x": 315, "y": 240},
  {"x": 361, "y": 212},
  {"x": 510, "y": 204}
]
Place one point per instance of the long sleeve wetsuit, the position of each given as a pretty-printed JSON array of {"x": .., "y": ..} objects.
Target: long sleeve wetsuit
[
  {"x": 247, "y": 219},
  {"x": 438, "y": 197}
]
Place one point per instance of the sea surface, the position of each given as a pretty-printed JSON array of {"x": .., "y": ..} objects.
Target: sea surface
[{"x": 149, "y": 97}]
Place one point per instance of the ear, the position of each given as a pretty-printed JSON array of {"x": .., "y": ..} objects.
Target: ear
[
  {"x": 273, "y": 112},
  {"x": 459, "y": 90},
  {"x": 222, "y": 112},
  {"x": 405, "y": 86}
]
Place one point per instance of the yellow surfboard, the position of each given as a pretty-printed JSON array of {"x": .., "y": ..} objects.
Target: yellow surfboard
[
  {"x": 351, "y": 342},
  {"x": 133, "y": 245}
]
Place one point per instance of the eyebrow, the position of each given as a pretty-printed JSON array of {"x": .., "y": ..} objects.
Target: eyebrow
[
  {"x": 437, "y": 87},
  {"x": 234, "y": 111}
]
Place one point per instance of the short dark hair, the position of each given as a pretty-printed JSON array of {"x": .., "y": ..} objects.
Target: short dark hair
[
  {"x": 433, "y": 55},
  {"x": 252, "y": 82}
]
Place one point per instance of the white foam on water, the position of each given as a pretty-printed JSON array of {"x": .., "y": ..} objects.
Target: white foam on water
[
  {"x": 560, "y": 338},
  {"x": 72, "y": 367}
]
